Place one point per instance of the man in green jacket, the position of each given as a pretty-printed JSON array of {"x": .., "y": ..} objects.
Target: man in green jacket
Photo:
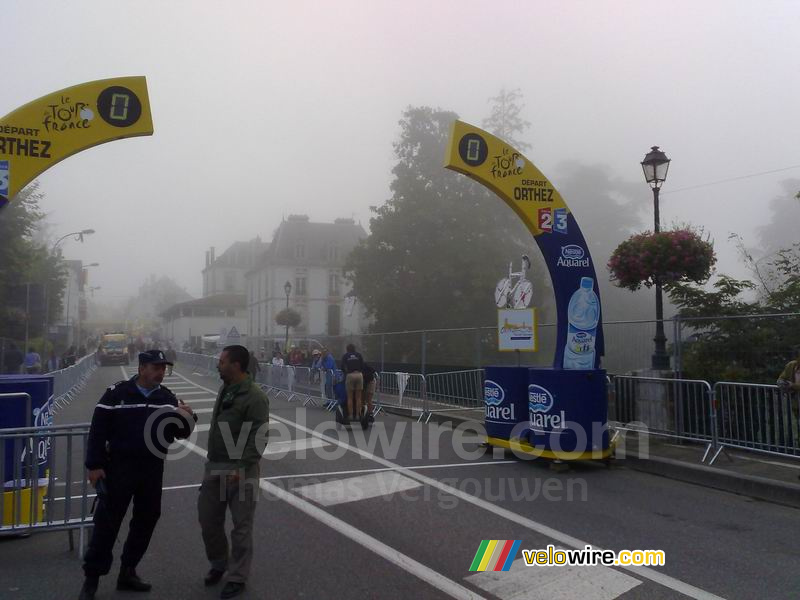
[{"x": 236, "y": 442}]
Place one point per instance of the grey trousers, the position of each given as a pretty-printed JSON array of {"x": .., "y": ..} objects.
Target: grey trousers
[{"x": 216, "y": 496}]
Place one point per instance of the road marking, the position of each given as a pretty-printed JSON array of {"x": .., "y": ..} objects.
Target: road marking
[
  {"x": 296, "y": 445},
  {"x": 202, "y": 411},
  {"x": 522, "y": 582},
  {"x": 199, "y": 400},
  {"x": 554, "y": 534},
  {"x": 397, "y": 558},
  {"x": 353, "y": 489},
  {"x": 388, "y": 469}
]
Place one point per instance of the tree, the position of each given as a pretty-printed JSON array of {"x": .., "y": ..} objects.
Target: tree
[
  {"x": 439, "y": 245},
  {"x": 735, "y": 339},
  {"x": 288, "y": 318},
  {"x": 26, "y": 266},
  {"x": 781, "y": 231},
  {"x": 505, "y": 121}
]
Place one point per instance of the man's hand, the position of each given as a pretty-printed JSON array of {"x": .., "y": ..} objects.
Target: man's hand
[
  {"x": 95, "y": 475},
  {"x": 185, "y": 408},
  {"x": 233, "y": 477}
]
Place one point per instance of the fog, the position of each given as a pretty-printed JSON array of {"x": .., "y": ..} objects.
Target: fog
[{"x": 264, "y": 109}]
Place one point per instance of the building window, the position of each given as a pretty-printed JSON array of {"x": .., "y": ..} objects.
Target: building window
[
  {"x": 299, "y": 251},
  {"x": 333, "y": 283},
  {"x": 300, "y": 286},
  {"x": 333, "y": 253},
  {"x": 334, "y": 319},
  {"x": 229, "y": 281}
]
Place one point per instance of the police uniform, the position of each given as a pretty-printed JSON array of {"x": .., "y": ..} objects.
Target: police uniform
[{"x": 124, "y": 442}]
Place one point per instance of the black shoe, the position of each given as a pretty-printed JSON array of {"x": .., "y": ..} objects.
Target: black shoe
[
  {"x": 89, "y": 588},
  {"x": 213, "y": 577},
  {"x": 129, "y": 580},
  {"x": 232, "y": 589}
]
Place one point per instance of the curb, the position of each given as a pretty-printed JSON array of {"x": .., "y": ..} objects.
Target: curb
[{"x": 761, "y": 488}]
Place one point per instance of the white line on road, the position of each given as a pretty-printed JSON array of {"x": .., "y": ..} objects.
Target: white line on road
[
  {"x": 354, "y": 489},
  {"x": 560, "y": 537},
  {"x": 437, "y": 580}
]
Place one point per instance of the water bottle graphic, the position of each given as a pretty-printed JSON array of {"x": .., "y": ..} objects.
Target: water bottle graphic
[{"x": 583, "y": 315}]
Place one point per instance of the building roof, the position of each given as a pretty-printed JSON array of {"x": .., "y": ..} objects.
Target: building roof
[
  {"x": 240, "y": 255},
  {"x": 316, "y": 240},
  {"x": 221, "y": 301}
]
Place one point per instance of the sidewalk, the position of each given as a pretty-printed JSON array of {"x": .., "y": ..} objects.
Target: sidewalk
[{"x": 765, "y": 477}]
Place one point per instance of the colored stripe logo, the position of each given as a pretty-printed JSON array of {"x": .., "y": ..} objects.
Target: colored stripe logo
[{"x": 495, "y": 555}]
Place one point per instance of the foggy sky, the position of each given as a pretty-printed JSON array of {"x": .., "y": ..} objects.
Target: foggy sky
[{"x": 264, "y": 109}]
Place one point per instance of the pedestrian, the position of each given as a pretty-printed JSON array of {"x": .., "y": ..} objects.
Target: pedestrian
[
  {"x": 254, "y": 368},
  {"x": 789, "y": 379},
  {"x": 316, "y": 365},
  {"x": 277, "y": 359},
  {"x": 232, "y": 471},
  {"x": 353, "y": 367},
  {"x": 329, "y": 365},
  {"x": 13, "y": 359},
  {"x": 370, "y": 382},
  {"x": 172, "y": 357},
  {"x": 52, "y": 362},
  {"x": 33, "y": 362},
  {"x": 133, "y": 425}
]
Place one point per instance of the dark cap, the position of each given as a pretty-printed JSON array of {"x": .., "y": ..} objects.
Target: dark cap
[{"x": 153, "y": 357}]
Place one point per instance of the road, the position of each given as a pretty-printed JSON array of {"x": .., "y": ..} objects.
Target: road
[{"x": 399, "y": 511}]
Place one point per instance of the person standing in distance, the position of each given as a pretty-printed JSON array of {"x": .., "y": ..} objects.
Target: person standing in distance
[
  {"x": 231, "y": 475},
  {"x": 353, "y": 367},
  {"x": 132, "y": 426}
]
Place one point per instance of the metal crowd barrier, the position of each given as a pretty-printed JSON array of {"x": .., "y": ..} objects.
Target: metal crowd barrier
[
  {"x": 677, "y": 408},
  {"x": 69, "y": 382},
  {"x": 404, "y": 391},
  {"x": 760, "y": 418},
  {"x": 202, "y": 363},
  {"x": 45, "y": 488},
  {"x": 454, "y": 391}
]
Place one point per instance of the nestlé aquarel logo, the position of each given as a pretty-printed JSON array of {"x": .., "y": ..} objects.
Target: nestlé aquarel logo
[
  {"x": 539, "y": 399},
  {"x": 493, "y": 396},
  {"x": 572, "y": 255}
]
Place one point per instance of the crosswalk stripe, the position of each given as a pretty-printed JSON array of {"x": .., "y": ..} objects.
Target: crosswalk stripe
[
  {"x": 522, "y": 582},
  {"x": 353, "y": 489}
]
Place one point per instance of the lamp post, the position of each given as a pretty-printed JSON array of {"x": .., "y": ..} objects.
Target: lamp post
[
  {"x": 287, "y": 287},
  {"x": 78, "y": 237},
  {"x": 655, "y": 166},
  {"x": 82, "y": 297}
]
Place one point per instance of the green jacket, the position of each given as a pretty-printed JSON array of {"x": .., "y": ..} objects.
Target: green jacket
[
  {"x": 241, "y": 409},
  {"x": 788, "y": 375}
]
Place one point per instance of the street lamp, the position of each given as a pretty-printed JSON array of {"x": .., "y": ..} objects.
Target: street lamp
[
  {"x": 287, "y": 287},
  {"x": 78, "y": 238},
  {"x": 655, "y": 166}
]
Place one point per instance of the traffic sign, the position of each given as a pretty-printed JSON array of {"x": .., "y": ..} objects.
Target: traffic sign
[{"x": 45, "y": 131}]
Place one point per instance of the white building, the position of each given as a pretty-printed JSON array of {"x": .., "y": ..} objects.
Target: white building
[
  {"x": 311, "y": 257},
  {"x": 226, "y": 274},
  {"x": 187, "y": 322}
]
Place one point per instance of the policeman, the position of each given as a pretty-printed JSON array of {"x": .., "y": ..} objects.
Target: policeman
[{"x": 133, "y": 425}]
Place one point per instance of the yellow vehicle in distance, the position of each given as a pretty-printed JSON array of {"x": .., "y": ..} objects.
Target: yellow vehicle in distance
[{"x": 113, "y": 350}]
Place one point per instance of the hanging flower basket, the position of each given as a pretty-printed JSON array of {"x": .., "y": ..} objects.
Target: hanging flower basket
[{"x": 671, "y": 256}]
